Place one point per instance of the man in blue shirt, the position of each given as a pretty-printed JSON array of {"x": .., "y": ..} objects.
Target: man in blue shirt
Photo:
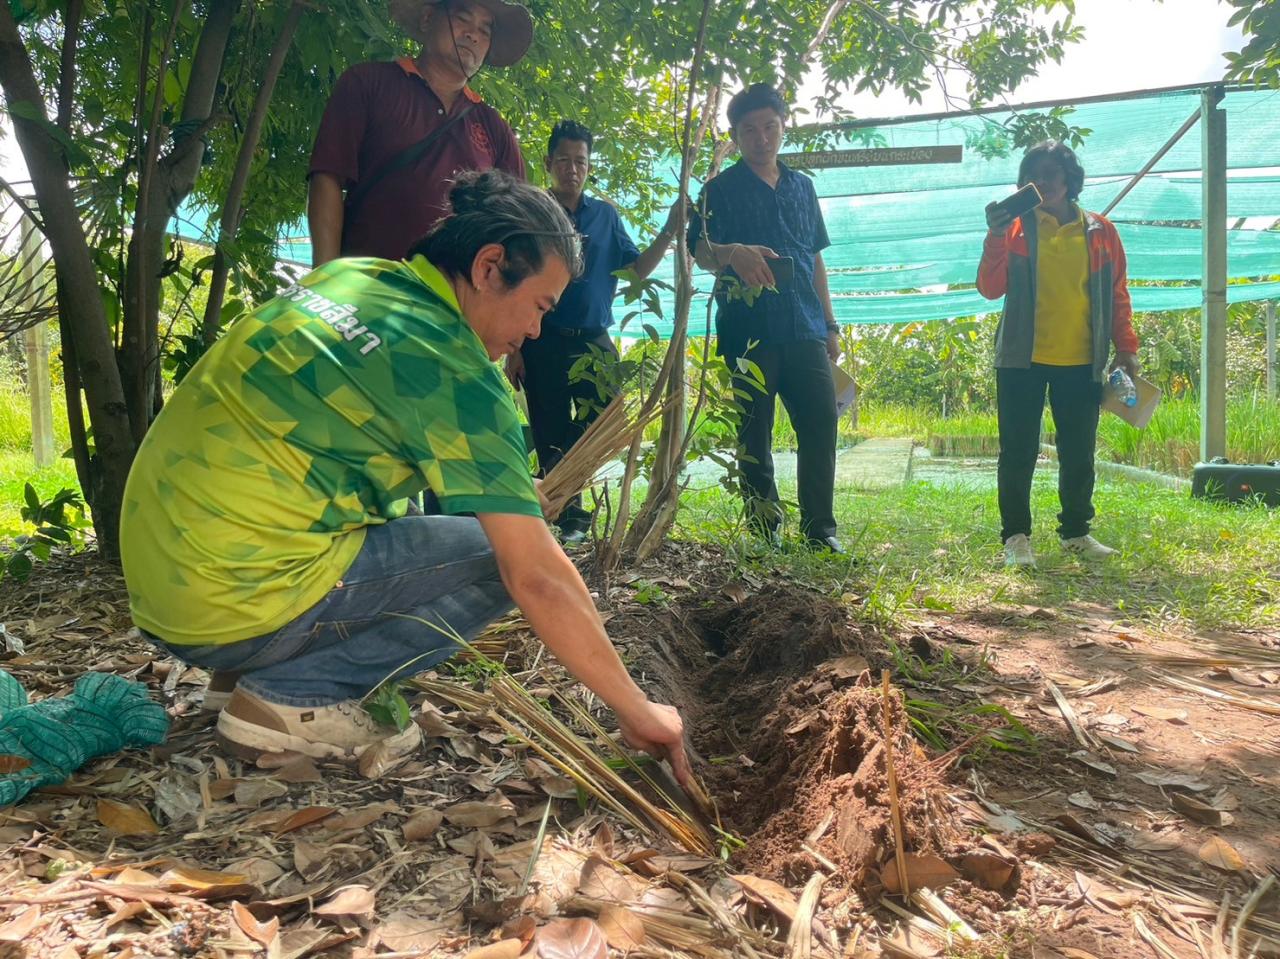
[
  {"x": 759, "y": 221},
  {"x": 560, "y": 410}
]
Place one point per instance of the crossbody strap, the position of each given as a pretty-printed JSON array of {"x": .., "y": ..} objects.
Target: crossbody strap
[{"x": 406, "y": 157}]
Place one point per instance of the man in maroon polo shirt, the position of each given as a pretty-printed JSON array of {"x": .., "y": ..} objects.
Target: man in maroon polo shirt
[{"x": 378, "y": 110}]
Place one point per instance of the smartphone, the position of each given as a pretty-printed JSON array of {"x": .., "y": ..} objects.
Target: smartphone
[
  {"x": 1024, "y": 201},
  {"x": 783, "y": 269}
]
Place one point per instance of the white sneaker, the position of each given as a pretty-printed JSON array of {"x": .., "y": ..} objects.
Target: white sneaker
[
  {"x": 249, "y": 726},
  {"x": 1017, "y": 551},
  {"x": 1086, "y": 547}
]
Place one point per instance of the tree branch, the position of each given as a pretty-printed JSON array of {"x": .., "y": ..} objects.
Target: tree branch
[{"x": 67, "y": 67}]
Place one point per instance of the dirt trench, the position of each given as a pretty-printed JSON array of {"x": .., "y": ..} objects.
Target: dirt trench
[{"x": 781, "y": 693}]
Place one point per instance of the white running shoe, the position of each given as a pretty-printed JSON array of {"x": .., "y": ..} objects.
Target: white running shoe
[
  {"x": 1017, "y": 551},
  {"x": 1086, "y": 547}
]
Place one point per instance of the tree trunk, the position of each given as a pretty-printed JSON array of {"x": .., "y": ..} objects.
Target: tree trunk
[
  {"x": 79, "y": 302},
  {"x": 231, "y": 208},
  {"x": 164, "y": 184},
  {"x": 659, "y": 509}
]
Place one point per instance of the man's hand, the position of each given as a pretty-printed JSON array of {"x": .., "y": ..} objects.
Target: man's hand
[
  {"x": 1127, "y": 362},
  {"x": 833, "y": 345},
  {"x": 673, "y": 217},
  {"x": 542, "y": 500},
  {"x": 997, "y": 218},
  {"x": 515, "y": 369},
  {"x": 658, "y": 731},
  {"x": 750, "y": 263}
]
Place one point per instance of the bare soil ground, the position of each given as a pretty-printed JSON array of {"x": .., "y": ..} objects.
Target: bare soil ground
[{"x": 1148, "y": 797}]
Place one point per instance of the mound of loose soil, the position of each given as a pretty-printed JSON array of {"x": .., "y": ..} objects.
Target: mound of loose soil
[{"x": 781, "y": 688}]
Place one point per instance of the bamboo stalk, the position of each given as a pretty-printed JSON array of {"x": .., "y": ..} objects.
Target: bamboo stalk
[
  {"x": 1246, "y": 911},
  {"x": 894, "y": 809},
  {"x": 800, "y": 936}
]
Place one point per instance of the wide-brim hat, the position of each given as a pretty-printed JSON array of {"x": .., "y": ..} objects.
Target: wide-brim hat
[{"x": 512, "y": 27}]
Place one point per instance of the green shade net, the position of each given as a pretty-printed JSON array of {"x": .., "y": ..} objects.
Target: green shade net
[
  {"x": 901, "y": 235},
  {"x": 103, "y": 714}
]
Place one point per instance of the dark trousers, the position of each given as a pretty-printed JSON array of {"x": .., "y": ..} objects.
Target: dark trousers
[
  {"x": 799, "y": 373},
  {"x": 1074, "y": 397},
  {"x": 560, "y": 411}
]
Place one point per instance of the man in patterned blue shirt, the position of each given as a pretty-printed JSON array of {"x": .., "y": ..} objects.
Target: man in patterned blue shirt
[{"x": 757, "y": 217}]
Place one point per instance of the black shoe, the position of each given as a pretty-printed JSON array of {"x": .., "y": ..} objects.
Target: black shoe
[
  {"x": 828, "y": 543},
  {"x": 574, "y": 531}
]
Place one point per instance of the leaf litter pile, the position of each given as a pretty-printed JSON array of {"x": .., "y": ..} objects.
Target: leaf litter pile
[{"x": 520, "y": 831}]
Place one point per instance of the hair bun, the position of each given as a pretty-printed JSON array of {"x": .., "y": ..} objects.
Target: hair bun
[{"x": 473, "y": 188}]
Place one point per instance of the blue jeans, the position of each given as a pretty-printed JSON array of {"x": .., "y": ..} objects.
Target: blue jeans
[{"x": 413, "y": 578}]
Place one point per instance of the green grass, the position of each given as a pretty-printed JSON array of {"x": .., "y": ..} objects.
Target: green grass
[
  {"x": 17, "y": 469},
  {"x": 1170, "y": 443},
  {"x": 15, "y": 419},
  {"x": 1185, "y": 562},
  {"x": 17, "y": 466}
]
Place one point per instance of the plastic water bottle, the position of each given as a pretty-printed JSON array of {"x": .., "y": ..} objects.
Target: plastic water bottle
[{"x": 1122, "y": 387}]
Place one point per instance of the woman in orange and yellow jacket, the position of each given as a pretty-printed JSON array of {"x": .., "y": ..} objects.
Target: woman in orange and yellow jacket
[{"x": 1062, "y": 273}]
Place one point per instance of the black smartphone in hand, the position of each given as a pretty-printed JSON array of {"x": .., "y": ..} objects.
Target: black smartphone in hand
[
  {"x": 1024, "y": 201},
  {"x": 783, "y": 268}
]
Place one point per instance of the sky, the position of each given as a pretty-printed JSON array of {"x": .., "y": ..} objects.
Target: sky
[{"x": 1128, "y": 45}]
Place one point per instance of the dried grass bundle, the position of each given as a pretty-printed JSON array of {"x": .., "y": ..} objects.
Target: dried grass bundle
[{"x": 604, "y": 440}]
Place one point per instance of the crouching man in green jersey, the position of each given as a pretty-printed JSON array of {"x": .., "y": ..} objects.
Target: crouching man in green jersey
[{"x": 264, "y": 531}]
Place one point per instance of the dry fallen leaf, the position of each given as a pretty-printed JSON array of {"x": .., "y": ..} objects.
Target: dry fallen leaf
[
  {"x": 1116, "y": 742},
  {"x": 20, "y": 926},
  {"x": 257, "y": 870},
  {"x": 1166, "y": 780},
  {"x": 206, "y": 883},
  {"x": 600, "y": 880},
  {"x": 1083, "y": 800},
  {"x": 422, "y": 824},
  {"x": 133, "y": 876},
  {"x": 348, "y": 901},
  {"x": 301, "y": 770},
  {"x": 126, "y": 820},
  {"x": 378, "y": 760},
  {"x": 774, "y": 895},
  {"x": 923, "y": 872},
  {"x": 1220, "y": 854},
  {"x": 359, "y": 818},
  {"x": 1097, "y": 765},
  {"x": 1161, "y": 712},
  {"x": 478, "y": 814},
  {"x": 622, "y": 928},
  {"x": 1243, "y": 678},
  {"x": 848, "y": 667},
  {"x": 1200, "y": 812},
  {"x": 254, "y": 792},
  {"x": 260, "y": 932},
  {"x": 523, "y": 928},
  {"x": 305, "y": 816},
  {"x": 571, "y": 939},
  {"x": 1225, "y": 800},
  {"x": 1151, "y": 843},
  {"x": 502, "y": 949},
  {"x": 402, "y": 932},
  {"x": 988, "y": 870}
]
